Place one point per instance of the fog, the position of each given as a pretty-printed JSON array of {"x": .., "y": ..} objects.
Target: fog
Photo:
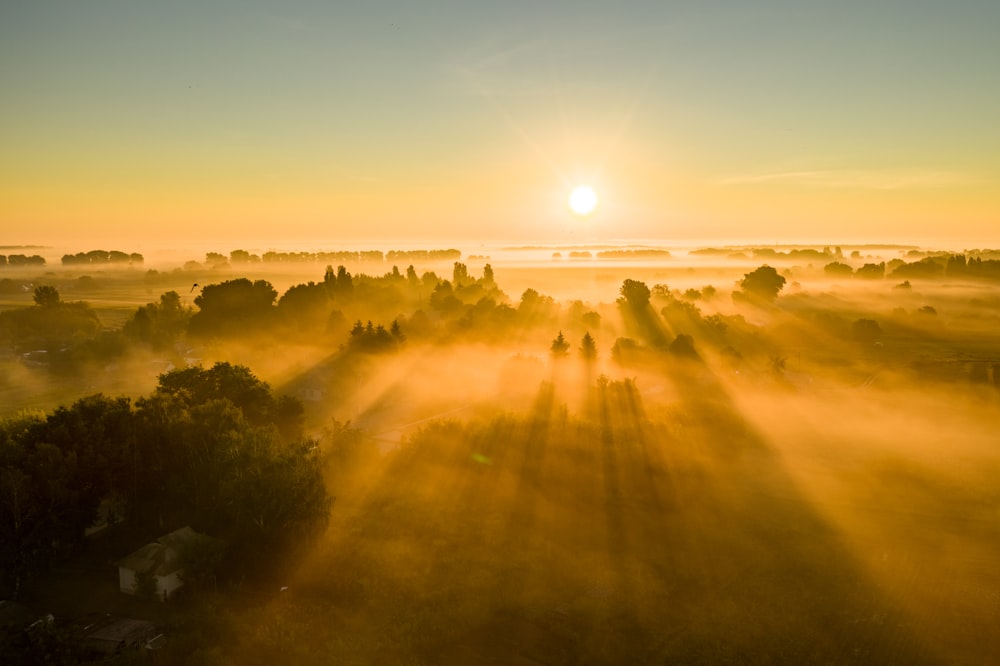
[{"x": 727, "y": 475}]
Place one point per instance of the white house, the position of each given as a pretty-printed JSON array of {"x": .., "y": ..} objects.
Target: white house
[{"x": 162, "y": 560}]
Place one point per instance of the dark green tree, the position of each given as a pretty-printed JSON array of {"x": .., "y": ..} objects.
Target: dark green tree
[
  {"x": 159, "y": 324},
  {"x": 837, "y": 268},
  {"x": 635, "y": 294},
  {"x": 877, "y": 271},
  {"x": 559, "y": 347},
  {"x": 46, "y": 296},
  {"x": 304, "y": 307},
  {"x": 588, "y": 348},
  {"x": 460, "y": 274},
  {"x": 763, "y": 284},
  {"x": 234, "y": 307}
]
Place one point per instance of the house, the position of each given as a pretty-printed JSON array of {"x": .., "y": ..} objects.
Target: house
[{"x": 160, "y": 562}]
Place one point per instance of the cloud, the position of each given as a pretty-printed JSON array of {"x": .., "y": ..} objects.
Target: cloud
[{"x": 888, "y": 179}]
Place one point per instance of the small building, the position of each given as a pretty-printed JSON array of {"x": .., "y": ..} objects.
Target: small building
[
  {"x": 160, "y": 562},
  {"x": 112, "y": 635}
]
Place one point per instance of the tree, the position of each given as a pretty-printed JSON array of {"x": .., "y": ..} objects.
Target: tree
[
  {"x": 159, "y": 324},
  {"x": 763, "y": 283},
  {"x": 874, "y": 271},
  {"x": 625, "y": 350},
  {"x": 588, "y": 348},
  {"x": 683, "y": 346},
  {"x": 560, "y": 347},
  {"x": 460, "y": 274},
  {"x": 235, "y": 383},
  {"x": 234, "y": 307},
  {"x": 304, "y": 306},
  {"x": 636, "y": 294},
  {"x": 344, "y": 284},
  {"x": 46, "y": 296},
  {"x": 836, "y": 268}
]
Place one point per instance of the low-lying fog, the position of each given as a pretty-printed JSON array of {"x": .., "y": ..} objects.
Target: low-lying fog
[{"x": 723, "y": 477}]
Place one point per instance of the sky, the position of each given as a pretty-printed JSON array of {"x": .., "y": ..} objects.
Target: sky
[{"x": 329, "y": 123}]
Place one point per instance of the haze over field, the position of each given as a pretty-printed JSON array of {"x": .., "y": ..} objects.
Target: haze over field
[
  {"x": 468, "y": 333},
  {"x": 692, "y": 457}
]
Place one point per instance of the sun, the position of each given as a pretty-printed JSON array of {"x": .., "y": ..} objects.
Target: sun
[{"x": 582, "y": 200}]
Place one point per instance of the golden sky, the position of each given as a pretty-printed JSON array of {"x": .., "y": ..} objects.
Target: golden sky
[{"x": 314, "y": 121}]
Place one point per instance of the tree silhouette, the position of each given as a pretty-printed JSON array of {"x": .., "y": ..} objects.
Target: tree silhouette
[
  {"x": 636, "y": 294},
  {"x": 460, "y": 274},
  {"x": 234, "y": 307},
  {"x": 683, "y": 346},
  {"x": 560, "y": 347},
  {"x": 874, "y": 271},
  {"x": 837, "y": 268},
  {"x": 588, "y": 348},
  {"x": 46, "y": 296},
  {"x": 763, "y": 283}
]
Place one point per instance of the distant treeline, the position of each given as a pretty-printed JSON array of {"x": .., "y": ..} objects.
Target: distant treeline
[
  {"x": 22, "y": 260},
  {"x": 632, "y": 254},
  {"x": 617, "y": 254},
  {"x": 101, "y": 257},
  {"x": 243, "y": 257},
  {"x": 936, "y": 266},
  {"x": 770, "y": 253},
  {"x": 65, "y": 336}
]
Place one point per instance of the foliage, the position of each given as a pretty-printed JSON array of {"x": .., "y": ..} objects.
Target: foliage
[
  {"x": 159, "y": 325},
  {"x": 871, "y": 271},
  {"x": 588, "y": 347},
  {"x": 46, "y": 296},
  {"x": 211, "y": 448},
  {"x": 234, "y": 307},
  {"x": 374, "y": 339},
  {"x": 101, "y": 257},
  {"x": 304, "y": 308},
  {"x": 837, "y": 268},
  {"x": 763, "y": 283},
  {"x": 559, "y": 347},
  {"x": 535, "y": 308},
  {"x": 51, "y": 325},
  {"x": 683, "y": 346},
  {"x": 635, "y": 294}
]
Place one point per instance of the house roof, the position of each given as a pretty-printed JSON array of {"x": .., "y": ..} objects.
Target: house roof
[
  {"x": 110, "y": 634},
  {"x": 154, "y": 558},
  {"x": 163, "y": 556},
  {"x": 179, "y": 539},
  {"x": 123, "y": 629}
]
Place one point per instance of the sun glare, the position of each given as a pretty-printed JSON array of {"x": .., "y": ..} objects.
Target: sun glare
[{"x": 583, "y": 200}]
